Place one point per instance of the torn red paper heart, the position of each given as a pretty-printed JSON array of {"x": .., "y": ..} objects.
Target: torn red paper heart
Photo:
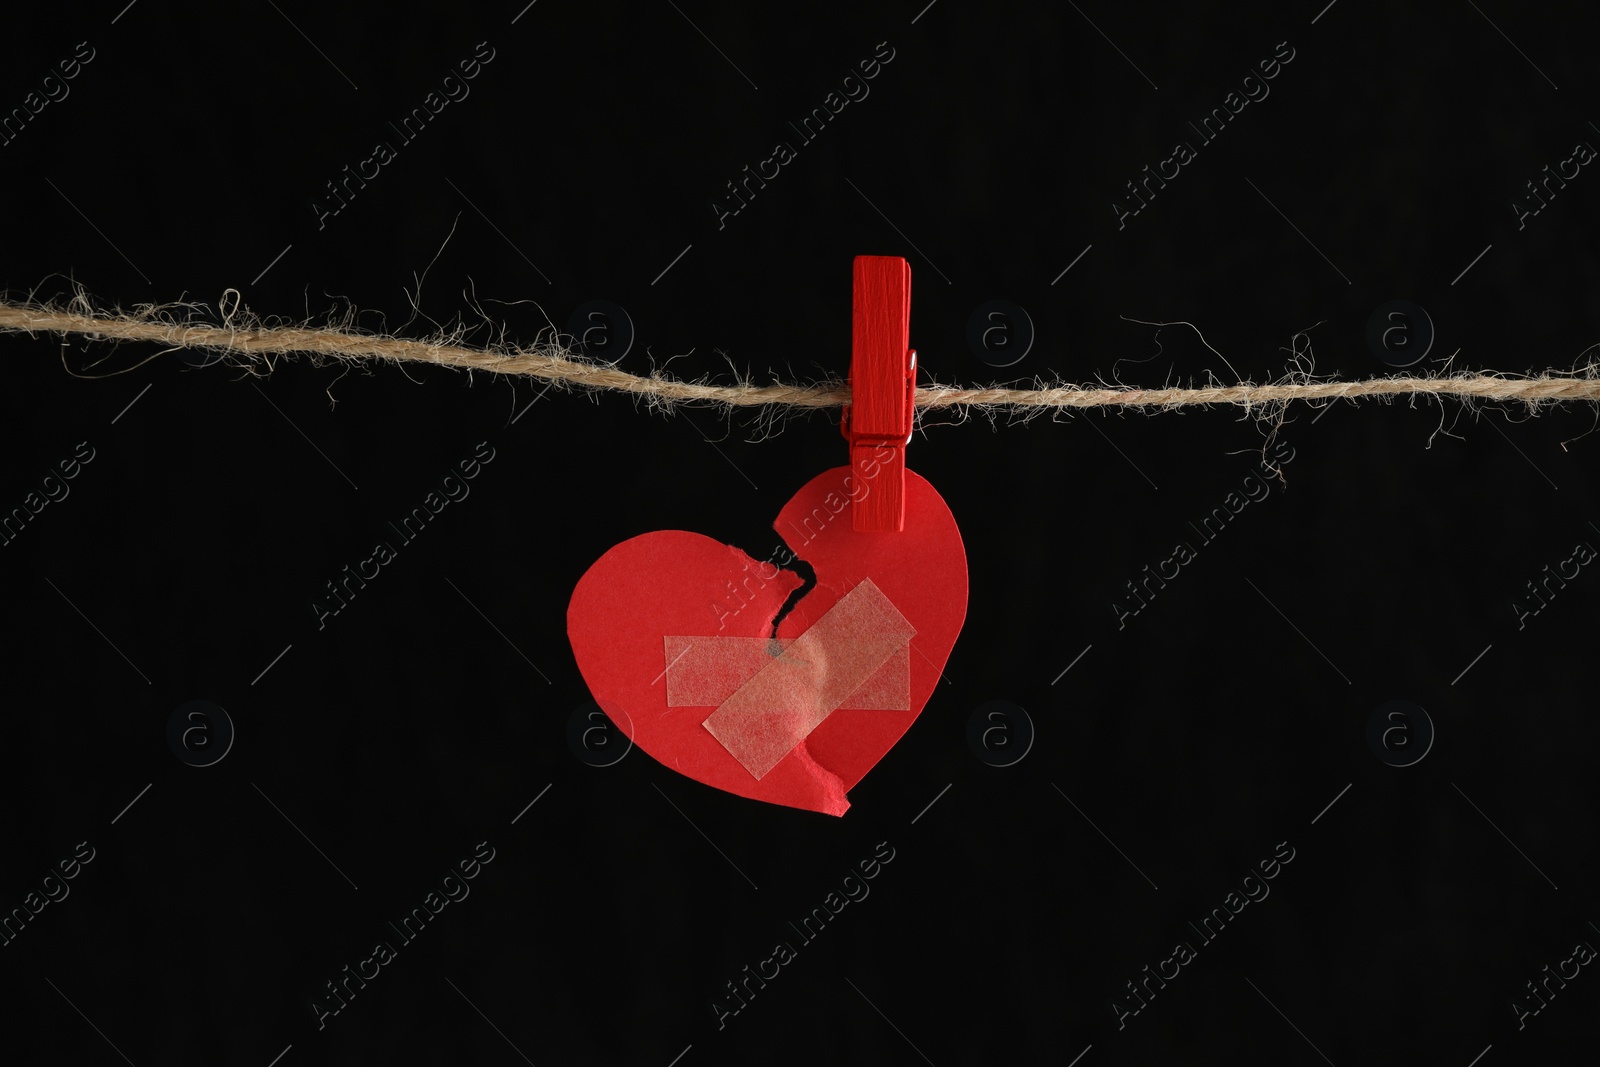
[{"x": 672, "y": 632}]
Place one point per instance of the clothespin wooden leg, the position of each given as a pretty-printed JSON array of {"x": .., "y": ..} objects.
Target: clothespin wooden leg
[{"x": 883, "y": 373}]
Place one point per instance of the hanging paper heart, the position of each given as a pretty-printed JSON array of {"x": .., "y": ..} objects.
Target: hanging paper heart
[{"x": 673, "y": 633}]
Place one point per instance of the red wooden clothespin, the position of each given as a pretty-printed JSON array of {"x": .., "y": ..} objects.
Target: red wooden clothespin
[{"x": 883, "y": 384}]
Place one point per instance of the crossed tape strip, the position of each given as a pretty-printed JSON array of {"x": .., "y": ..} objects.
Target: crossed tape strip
[{"x": 856, "y": 656}]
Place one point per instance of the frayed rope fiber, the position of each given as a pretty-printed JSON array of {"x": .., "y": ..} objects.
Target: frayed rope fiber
[{"x": 251, "y": 339}]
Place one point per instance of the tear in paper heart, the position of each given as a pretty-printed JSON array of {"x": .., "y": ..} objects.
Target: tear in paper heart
[{"x": 673, "y": 633}]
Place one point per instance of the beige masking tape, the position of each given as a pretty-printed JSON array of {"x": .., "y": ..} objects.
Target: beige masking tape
[
  {"x": 704, "y": 671},
  {"x": 787, "y": 696}
]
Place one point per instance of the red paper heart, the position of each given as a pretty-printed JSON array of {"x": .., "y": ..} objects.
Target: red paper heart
[{"x": 672, "y": 583}]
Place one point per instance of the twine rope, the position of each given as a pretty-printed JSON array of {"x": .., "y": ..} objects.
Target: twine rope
[{"x": 250, "y": 340}]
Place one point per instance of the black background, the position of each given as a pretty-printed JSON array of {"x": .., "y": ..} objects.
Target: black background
[{"x": 1176, "y": 753}]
